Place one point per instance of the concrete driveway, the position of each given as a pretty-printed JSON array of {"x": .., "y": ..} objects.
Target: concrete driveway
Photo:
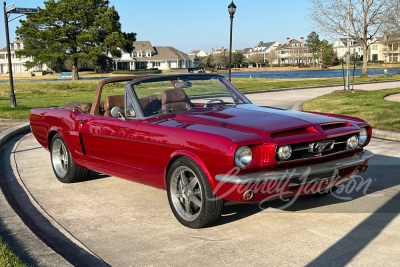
[{"x": 121, "y": 223}]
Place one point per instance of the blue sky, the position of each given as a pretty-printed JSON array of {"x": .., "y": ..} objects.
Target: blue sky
[{"x": 188, "y": 25}]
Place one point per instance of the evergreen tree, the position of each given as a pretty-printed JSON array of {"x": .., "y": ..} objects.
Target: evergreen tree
[
  {"x": 73, "y": 30},
  {"x": 327, "y": 54},
  {"x": 314, "y": 44}
]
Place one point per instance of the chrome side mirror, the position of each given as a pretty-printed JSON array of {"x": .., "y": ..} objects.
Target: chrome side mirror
[{"x": 116, "y": 112}]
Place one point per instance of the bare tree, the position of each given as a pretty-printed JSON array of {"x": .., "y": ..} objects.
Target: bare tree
[
  {"x": 257, "y": 59},
  {"x": 367, "y": 18},
  {"x": 294, "y": 56},
  {"x": 272, "y": 56}
]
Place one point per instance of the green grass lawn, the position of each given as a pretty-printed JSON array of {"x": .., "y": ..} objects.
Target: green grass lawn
[
  {"x": 370, "y": 106},
  {"x": 52, "y": 94},
  {"x": 8, "y": 258}
]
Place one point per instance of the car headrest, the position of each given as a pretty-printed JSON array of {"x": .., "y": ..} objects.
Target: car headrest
[
  {"x": 173, "y": 95},
  {"x": 114, "y": 100}
]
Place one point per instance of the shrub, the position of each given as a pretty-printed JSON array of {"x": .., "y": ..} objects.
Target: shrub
[{"x": 141, "y": 71}]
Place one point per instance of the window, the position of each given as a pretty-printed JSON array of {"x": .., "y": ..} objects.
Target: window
[
  {"x": 156, "y": 64},
  {"x": 375, "y": 47}
]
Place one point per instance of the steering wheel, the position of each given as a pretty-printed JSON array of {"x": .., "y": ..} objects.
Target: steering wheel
[{"x": 213, "y": 100}]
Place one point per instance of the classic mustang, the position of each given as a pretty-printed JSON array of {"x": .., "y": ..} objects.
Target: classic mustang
[{"x": 203, "y": 141}]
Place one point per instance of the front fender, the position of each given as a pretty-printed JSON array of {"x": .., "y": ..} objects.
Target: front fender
[{"x": 194, "y": 157}]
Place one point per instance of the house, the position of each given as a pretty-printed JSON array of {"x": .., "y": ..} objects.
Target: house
[
  {"x": 147, "y": 56},
  {"x": 245, "y": 52},
  {"x": 222, "y": 51},
  {"x": 199, "y": 53},
  {"x": 377, "y": 49},
  {"x": 262, "y": 48},
  {"x": 294, "y": 52},
  {"x": 340, "y": 47},
  {"x": 391, "y": 49},
  {"x": 18, "y": 64},
  {"x": 380, "y": 48}
]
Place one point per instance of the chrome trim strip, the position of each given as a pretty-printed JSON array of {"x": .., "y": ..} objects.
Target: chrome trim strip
[{"x": 268, "y": 176}]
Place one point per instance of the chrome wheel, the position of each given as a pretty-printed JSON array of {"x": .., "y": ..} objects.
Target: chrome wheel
[
  {"x": 186, "y": 193},
  {"x": 59, "y": 158}
]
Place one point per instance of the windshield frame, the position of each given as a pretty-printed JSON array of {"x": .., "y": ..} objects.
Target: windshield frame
[{"x": 130, "y": 90}]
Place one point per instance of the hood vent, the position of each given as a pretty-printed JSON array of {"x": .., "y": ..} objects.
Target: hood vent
[
  {"x": 218, "y": 115},
  {"x": 331, "y": 126},
  {"x": 296, "y": 131}
]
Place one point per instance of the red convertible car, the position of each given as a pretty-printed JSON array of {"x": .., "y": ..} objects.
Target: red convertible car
[{"x": 203, "y": 141}]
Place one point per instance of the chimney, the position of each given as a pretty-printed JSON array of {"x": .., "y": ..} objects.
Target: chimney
[
  {"x": 287, "y": 40},
  {"x": 302, "y": 40}
]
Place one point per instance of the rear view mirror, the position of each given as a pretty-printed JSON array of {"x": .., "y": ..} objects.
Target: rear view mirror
[{"x": 183, "y": 85}]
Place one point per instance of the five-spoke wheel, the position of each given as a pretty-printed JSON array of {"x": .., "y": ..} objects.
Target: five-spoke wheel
[
  {"x": 190, "y": 195},
  {"x": 64, "y": 166}
]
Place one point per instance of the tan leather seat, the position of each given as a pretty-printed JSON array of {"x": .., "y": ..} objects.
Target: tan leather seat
[
  {"x": 113, "y": 101},
  {"x": 151, "y": 104},
  {"x": 174, "y": 98}
]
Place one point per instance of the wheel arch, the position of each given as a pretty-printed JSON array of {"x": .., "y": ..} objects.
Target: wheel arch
[
  {"x": 56, "y": 130},
  {"x": 50, "y": 137},
  {"x": 183, "y": 153}
]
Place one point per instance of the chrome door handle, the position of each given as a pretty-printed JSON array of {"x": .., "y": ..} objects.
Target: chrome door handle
[{"x": 81, "y": 120}]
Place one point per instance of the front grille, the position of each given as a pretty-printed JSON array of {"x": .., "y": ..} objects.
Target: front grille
[{"x": 309, "y": 150}]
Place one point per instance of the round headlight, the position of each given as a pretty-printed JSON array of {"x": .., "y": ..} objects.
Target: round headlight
[
  {"x": 243, "y": 157},
  {"x": 363, "y": 137},
  {"x": 284, "y": 152},
  {"x": 352, "y": 142}
]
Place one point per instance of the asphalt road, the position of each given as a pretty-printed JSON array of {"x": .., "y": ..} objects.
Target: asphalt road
[
  {"x": 123, "y": 223},
  {"x": 287, "y": 99}
]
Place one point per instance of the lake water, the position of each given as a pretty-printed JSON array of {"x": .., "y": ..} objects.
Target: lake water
[
  {"x": 276, "y": 74},
  {"x": 306, "y": 73}
]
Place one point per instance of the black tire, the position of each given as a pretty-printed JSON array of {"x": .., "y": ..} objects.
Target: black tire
[
  {"x": 64, "y": 166},
  {"x": 193, "y": 203}
]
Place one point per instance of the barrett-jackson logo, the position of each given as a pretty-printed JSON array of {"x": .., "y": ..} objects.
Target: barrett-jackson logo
[{"x": 319, "y": 147}]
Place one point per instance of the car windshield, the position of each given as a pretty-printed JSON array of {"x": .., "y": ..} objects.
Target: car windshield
[{"x": 180, "y": 93}]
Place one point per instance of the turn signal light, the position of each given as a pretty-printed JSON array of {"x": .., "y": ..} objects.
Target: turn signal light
[{"x": 249, "y": 194}]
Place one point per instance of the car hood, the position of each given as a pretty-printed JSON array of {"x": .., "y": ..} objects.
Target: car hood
[{"x": 269, "y": 121}]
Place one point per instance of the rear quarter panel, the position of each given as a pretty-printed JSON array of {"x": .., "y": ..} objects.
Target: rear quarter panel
[{"x": 47, "y": 121}]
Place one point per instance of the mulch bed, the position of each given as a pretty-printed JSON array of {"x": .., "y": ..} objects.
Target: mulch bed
[{"x": 344, "y": 92}]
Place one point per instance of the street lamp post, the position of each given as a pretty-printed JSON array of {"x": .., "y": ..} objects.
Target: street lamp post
[
  {"x": 232, "y": 10},
  {"x": 11, "y": 9},
  {"x": 13, "y": 101}
]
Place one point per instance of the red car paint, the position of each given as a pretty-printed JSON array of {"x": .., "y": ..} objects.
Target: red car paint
[{"x": 141, "y": 150}]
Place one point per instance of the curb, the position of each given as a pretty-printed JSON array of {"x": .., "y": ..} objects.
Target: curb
[
  {"x": 58, "y": 245},
  {"x": 386, "y": 135},
  {"x": 313, "y": 87},
  {"x": 9, "y": 133}
]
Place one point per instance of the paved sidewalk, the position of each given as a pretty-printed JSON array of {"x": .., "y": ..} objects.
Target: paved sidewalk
[
  {"x": 395, "y": 97},
  {"x": 6, "y": 123}
]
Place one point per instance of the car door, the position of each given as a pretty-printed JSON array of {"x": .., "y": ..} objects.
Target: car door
[{"x": 109, "y": 144}]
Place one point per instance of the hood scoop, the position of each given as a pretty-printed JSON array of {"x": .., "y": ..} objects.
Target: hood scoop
[
  {"x": 292, "y": 132},
  {"x": 218, "y": 115},
  {"x": 331, "y": 126}
]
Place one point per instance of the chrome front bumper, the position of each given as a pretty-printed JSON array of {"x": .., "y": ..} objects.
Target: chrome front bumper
[{"x": 292, "y": 173}]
